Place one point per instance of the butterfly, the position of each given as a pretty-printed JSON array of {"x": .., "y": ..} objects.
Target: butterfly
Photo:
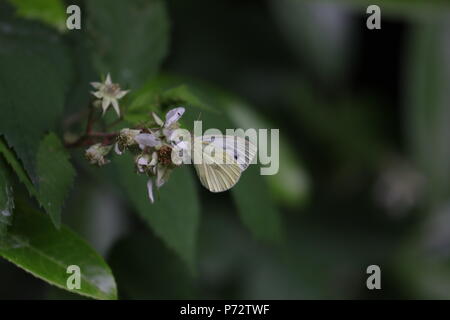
[{"x": 223, "y": 159}]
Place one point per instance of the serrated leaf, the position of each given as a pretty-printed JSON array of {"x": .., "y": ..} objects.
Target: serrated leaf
[
  {"x": 54, "y": 171},
  {"x": 37, "y": 247},
  {"x": 51, "y": 12},
  {"x": 6, "y": 202},
  {"x": 33, "y": 83},
  {"x": 129, "y": 38},
  {"x": 17, "y": 167},
  {"x": 174, "y": 216},
  {"x": 56, "y": 176}
]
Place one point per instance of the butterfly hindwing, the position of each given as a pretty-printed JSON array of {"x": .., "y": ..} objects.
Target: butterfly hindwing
[{"x": 218, "y": 171}]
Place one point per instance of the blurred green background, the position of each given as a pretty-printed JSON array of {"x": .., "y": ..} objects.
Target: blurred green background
[{"x": 364, "y": 167}]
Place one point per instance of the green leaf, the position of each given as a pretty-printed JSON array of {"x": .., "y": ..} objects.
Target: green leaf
[
  {"x": 159, "y": 95},
  {"x": 129, "y": 38},
  {"x": 51, "y": 12},
  {"x": 17, "y": 167},
  {"x": 6, "y": 202},
  {"x": 182, "y": 95},
  {"x": 56, "y": 176},
  {"x": 174, "y": 216},
  {"x": 37, "y": 247},
  {"x": 256, "y": 206},
  {"x": 33, "y": 83}
]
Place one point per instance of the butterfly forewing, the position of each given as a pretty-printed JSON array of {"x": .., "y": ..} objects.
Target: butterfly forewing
[{"x": 241, "y": 150}]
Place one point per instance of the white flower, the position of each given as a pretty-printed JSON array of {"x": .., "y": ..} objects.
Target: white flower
[
  {"x": 125, "y": 139},
  {"x": 96, "y": 154},
  {"x": 109, "y": 93},
  {"x": 148, "y": 140}
]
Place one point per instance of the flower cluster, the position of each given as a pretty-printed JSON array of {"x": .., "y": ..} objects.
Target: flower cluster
[{"x": 156, "y": 151}]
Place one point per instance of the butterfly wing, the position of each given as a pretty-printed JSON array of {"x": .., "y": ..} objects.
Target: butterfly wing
[
  {"x": 243, "y": 151},
  {"x": 218, "y": 171}
]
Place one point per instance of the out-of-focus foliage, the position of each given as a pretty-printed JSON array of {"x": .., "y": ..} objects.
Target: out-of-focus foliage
[
  {"x": 51, "y": 12},
  {"x": 330, "y": 54},
  {"x": 129, "y": 38},
  {"x": 427, "y": 112}
]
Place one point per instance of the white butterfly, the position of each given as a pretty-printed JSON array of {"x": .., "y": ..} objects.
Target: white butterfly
[{"x": 223, "y": 159}]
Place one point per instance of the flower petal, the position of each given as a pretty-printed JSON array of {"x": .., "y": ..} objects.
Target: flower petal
[
  {"x": 150, "y": 190},
  {"x": 117, "y": 149},
  {"x": 116, "y": 106},
  {"x": 105, "y": 104},
  {"x": 173, "y": 116},
  {"x": 167, "y": 132},
  {"x": 143, "y": 161},
  {"x": 96, "y": 85},
  {"x": 162, "y": 176},
  {"x": 147, "y": 140},
  {"x": 121, "y": 94},
  {"x": 157, "y": 119},
  {"x": 154, "y": 160},
  {"x": 97, "y": 94},
  {"x": 108, "y": 79}
]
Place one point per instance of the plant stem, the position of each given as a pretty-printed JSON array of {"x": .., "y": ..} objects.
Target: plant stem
[{"x": 90, "y": 135}]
